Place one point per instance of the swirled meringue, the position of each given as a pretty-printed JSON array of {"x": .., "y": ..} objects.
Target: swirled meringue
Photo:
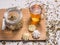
[{"x": 36, "y": 34}]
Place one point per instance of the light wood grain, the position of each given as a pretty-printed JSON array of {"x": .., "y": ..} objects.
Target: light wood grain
[{"x": 17, "y": 35}]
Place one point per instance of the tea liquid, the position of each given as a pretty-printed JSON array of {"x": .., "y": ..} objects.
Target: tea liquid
[{"x": 35, "y": 14}]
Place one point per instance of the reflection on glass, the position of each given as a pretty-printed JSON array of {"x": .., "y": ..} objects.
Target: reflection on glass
[{"x": 35, "y": 12}]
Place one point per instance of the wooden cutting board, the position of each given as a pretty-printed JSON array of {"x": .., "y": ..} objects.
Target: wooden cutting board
[{"x": 17, "y": 35}]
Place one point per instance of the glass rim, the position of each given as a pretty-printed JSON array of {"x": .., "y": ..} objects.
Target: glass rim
[
  {"x": 7, "y": 13},
  {"x": 33, "y": 3}
]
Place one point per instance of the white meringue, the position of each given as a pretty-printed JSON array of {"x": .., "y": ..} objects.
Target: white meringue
[{"x": 36, "y": 34}]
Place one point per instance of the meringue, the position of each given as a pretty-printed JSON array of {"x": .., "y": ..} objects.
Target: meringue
[
  {"x": 25, "y": 36},
  {"x": 32, "y": 27},
  {"x": 36, "y": 34}
]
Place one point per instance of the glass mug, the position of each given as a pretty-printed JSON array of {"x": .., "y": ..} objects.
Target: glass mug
[
  {"x": 35, "y": 12},
  {"x": 13, "y": 19}
]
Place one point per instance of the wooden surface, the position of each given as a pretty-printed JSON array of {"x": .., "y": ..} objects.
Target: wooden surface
[{"x": 17, "y": 35}]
